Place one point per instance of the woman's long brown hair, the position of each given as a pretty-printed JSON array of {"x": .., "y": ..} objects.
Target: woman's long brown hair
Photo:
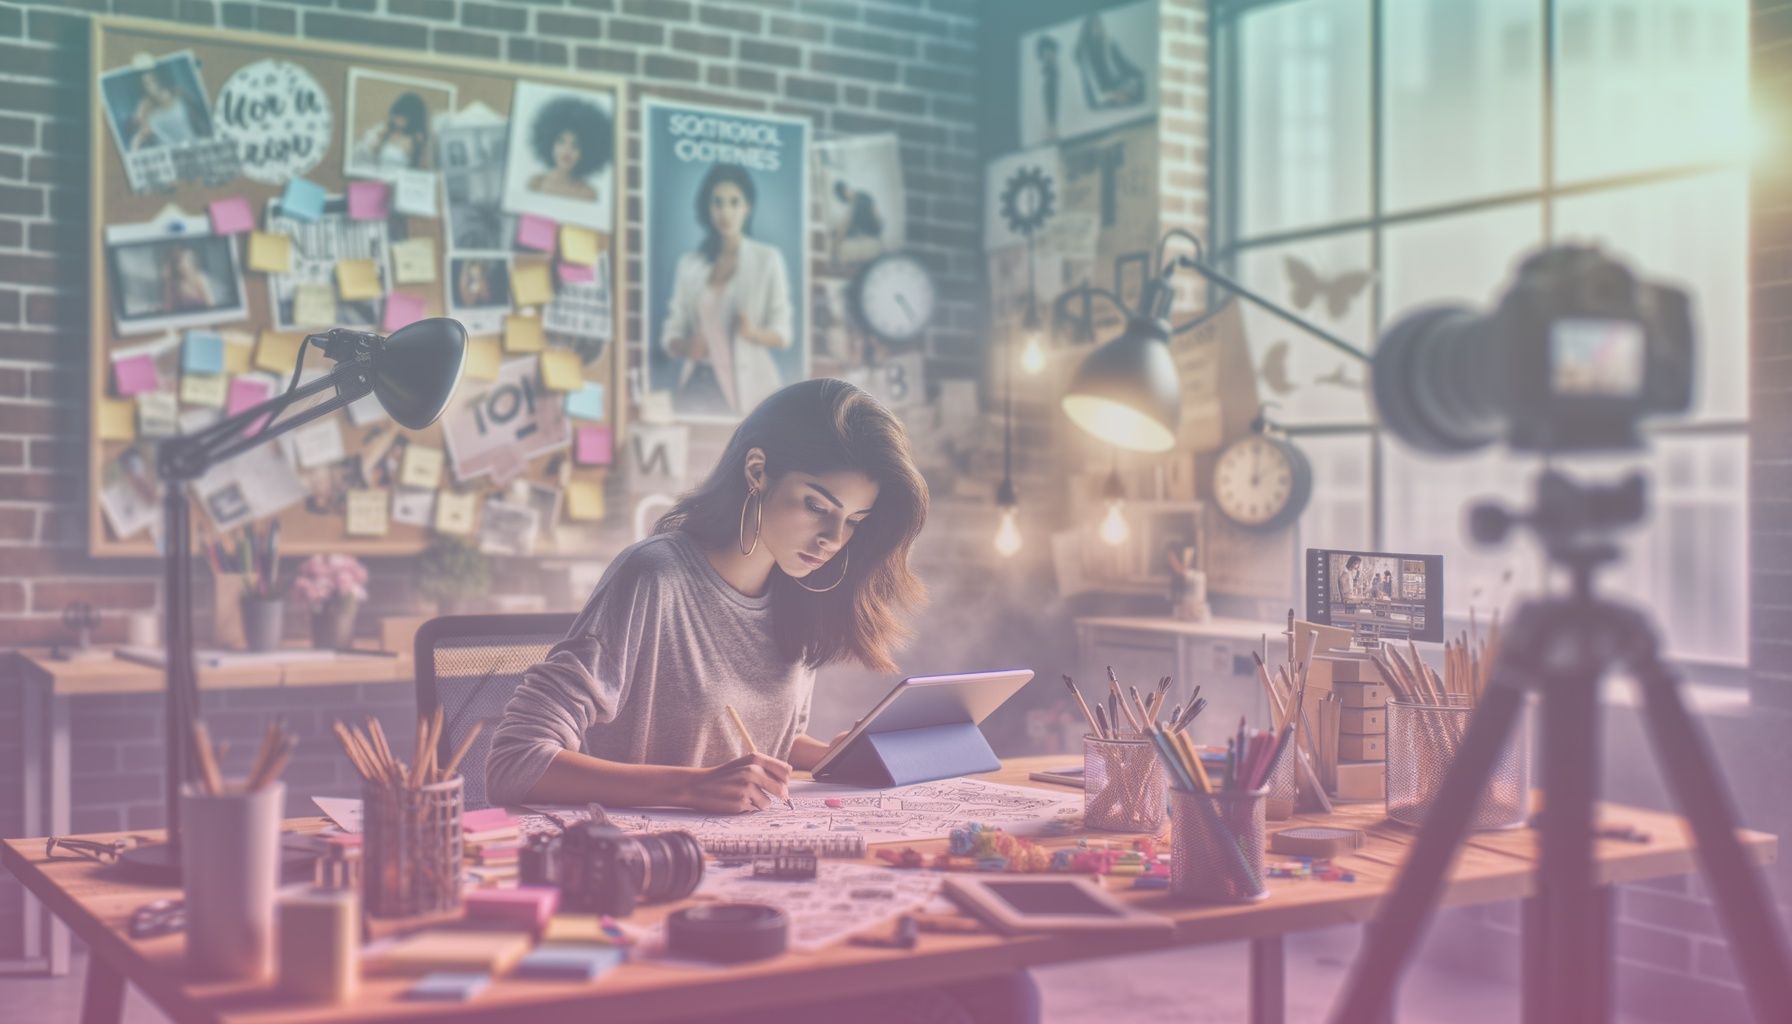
[{"x": 824, "y": 426}]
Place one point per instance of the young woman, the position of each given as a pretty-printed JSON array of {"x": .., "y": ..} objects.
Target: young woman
[
  {"x": 791, "y": 555},
  {"x": 163, "y": 117},
  {"x": 572, "y": 138},
  {"x": 730, "y": 306},
  {"x": 399, "y": 142}
]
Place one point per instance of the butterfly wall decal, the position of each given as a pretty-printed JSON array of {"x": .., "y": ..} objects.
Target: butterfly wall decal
[{"x": 1305, "y": 284}]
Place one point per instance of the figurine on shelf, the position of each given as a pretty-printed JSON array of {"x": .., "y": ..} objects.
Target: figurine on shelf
[{"x": 1188, "y": 584}]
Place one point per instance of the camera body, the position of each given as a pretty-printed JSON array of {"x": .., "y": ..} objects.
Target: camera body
[
  {"x": 600, "y": 869},
  {"x": 1575, "y": 355}
]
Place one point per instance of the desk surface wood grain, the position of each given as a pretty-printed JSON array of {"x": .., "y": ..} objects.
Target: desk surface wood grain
[
  {"x": 119, "y": 675},
  {"x": 1491, "y": 867}
]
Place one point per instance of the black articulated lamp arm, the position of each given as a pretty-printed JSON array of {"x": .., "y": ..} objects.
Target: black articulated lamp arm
[{"x": 1269, "y": 305}]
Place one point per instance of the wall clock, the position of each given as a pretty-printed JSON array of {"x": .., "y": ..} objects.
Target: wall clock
[
  {"x": 1262, "y": 481},
  {"x": 893, "y": 298}
]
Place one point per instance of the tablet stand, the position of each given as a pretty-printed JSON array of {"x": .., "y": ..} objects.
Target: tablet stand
[{"x": 907, "y": 756}]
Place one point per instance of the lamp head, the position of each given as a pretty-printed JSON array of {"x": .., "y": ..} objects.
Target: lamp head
[
  {"x": 413, "y": 371},
  {"x": 1126, "y": 392}
]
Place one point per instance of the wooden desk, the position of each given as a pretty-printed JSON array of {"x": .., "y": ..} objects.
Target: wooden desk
[
  {"x": 50, "y": 685},
  {"x": 1492, "y": 867}
]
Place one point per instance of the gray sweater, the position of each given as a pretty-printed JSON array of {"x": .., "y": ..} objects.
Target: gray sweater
[{"x": 642, "y": 677}]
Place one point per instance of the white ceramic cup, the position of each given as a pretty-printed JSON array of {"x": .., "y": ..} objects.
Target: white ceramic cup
[{"x": 230, "y": 865}]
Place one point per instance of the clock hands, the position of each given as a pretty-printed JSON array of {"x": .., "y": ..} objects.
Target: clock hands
[{"x": 902, "y": 300}]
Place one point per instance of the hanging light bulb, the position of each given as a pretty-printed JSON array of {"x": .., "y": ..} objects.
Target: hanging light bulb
[
  {"x": 1008, "y": 533},
  {"x": 1114, "y": 530},
  {"x": 1032, "y": 355}
]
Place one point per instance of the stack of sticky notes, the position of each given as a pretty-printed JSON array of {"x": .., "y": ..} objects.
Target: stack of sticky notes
[
  {"x": 569, "y": 962},
  {"x": 585, "y": 929},
  {"x": 449, "y": 986},
  {"x": 440, "y": 949},
  {"x": 528, "y": 907},
  {"x": 489, "y": 824}
]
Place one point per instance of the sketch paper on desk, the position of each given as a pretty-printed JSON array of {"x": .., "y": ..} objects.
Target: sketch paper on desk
[
  {"x": 844, "y": 899},
  {"x": 928, "y": 810}
]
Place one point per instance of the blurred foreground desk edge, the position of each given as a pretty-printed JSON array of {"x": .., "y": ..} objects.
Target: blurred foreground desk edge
[{"x": 1492, "y": 867}]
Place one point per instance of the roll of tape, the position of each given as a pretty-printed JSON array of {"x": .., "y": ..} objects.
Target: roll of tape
[{"x": 728, "y": 933}]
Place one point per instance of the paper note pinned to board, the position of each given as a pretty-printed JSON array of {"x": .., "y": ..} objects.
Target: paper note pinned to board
[
  {"x": 523, "y": 334},
  {"x": 118, "y": 419},
  {"x": 561, "y": 370},
  {"x": 587, "y": 403},
  {"x": 578, "y": 245},
  {"x": 584, "y": 500},
  {"x": 202, "y": 389},
  {"x": 158, "y": 414},
  {"x": 414, "y": 261},
  {"x": 455, "y": 512},
  {"x": 593, "y": 446},
  {"x": 270, "y": 253},
  {"x": 402, "y": 309},
  {"x": 135, "y": 374},
  {"x": 203, "y": 352},
  {"x": 369, "y": 200},
  {"x": 530, "y": 285},
  {"x": 302, "y": 200},
  {"x": 483, "y": 359},
  {"x": 422, "y": 467},
  {"x": 314, "y": 305},
  {"x": 573, "y": 273},
  {"x": 231, "y": 215},
  {"x": 358, "y": 280},
  {"x": 535, "y": 232},
  {"x": 277, "y": 352},
  {"x": 367, "y": 512}
]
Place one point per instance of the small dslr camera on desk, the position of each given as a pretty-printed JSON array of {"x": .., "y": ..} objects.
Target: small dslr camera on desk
[{"x": 600, "y": 869}]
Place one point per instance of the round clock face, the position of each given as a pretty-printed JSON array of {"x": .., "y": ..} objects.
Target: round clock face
[
  {"x": 894, "y": 298},
  {"x": 1262, "y": 482}
]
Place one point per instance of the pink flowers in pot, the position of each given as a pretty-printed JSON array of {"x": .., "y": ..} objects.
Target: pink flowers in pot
[{"x": 326, "y": 578}]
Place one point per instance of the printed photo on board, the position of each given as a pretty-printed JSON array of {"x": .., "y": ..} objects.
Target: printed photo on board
[
  {"x": 862, "y": 200},
  {"x": 560, "y": 163},
  {"x": 1088, "y": 74},
  {"x": 727, "y": 257},
  {"x": 172, "y": 273},
  {"x": 163, "y": 125},
  {"x": 470, "y": 151},
  {"x": 389, "y": 121},
  {"x": 479, "y": 290}
]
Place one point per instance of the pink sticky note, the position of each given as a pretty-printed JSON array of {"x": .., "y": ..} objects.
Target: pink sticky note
[
  {"x": 592, "y": 446},
  {"x": 573, "y": 273},
  {"x": 246, "y": 392},
  {"x": 535, "y": 232},
  {"x": 369, "y": 200},
  {"x": 135, "y": 375},
  {"x": 402, "y": 308},
  {"x": 232, "y": 215}
]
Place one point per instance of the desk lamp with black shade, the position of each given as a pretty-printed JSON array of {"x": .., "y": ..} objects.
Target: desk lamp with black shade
[{"x": 412, "y": 374}]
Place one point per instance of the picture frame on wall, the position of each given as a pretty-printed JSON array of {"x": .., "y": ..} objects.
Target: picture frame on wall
[
  {"x": 561, "y": 161},
  {"x": 172, "y": 272},
  {"x": 1088, "y": 74}
]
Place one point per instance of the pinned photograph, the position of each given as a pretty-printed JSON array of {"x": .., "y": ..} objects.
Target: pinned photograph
[
  {"x": 130, "y": 494},
  {"x": 561, "y": 159},
  {"x": 257, "y": 484},
  {"x": 326, "y": 488},
  {"x": 506, "y": 528},
  {"x": 172, "y": 273},
  {"x": 470, "y": 147},
  {"x": 727, "y": 257},
  {"x": 318, "y": 246},
  {"x": 163, "y": 126},
  {"x": 497, "y": 430},
  {"x": 479, "y": 290},
  {"x": 1088, "y": 74},
  {"x": 390, "y": 117},
  {"x": 863, "y": 205}
]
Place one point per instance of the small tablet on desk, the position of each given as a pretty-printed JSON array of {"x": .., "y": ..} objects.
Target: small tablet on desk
[
  {"x": 1046, "y": 903},
  {"x": 951, "y": 705}
]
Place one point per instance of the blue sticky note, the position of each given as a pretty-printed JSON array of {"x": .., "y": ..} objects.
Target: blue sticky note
[
  {"x": 304, "y": 200},
  {"x": 452, "y": 986},
  {"x": 203, "y": 353},
  {"x": 587, "y": 403},
  {"x": 569, "y": 962}
]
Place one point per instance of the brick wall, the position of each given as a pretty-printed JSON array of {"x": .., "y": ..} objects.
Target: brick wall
[{"x": 867, "y": 66}]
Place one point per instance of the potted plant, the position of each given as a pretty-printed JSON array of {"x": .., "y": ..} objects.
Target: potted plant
[
  {"x": 333, "y": 587},
  {"x": 453, "y": 573}
]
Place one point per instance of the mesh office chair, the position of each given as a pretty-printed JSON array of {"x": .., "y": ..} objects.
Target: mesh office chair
[{"x": 470, "y": 665}]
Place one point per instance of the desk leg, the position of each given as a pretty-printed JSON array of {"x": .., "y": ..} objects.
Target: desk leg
[
  {"x": 1268, "y": 985},
  {"x": 103, "y": 1001},
  {"x": 1533, "y": 960},
  {"x": 59, "y": 802},
  {"x": 32, "y": 750}
]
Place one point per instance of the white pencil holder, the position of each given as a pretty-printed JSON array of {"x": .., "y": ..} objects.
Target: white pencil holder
[{"x": 230, "y": 865}]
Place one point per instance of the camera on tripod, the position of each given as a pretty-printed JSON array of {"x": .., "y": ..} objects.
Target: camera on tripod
[
  {"x": 599, "y": 869},
  {"x": 1575, "y": 354}
]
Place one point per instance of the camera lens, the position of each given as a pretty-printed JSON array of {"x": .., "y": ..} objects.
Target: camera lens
[
  {"x": 1439, "y": 381},
  {"x": 672, "y": 863}
]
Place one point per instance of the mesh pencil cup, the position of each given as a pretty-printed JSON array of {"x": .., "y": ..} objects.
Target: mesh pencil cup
[
  {"x": 412, "y": 839},
  {"x": 1422, "y": 744},
  {"x": 1279, "y": 806},
  {"x": 1123, "y": 785},
  {"x": 1216, "y": 846}
]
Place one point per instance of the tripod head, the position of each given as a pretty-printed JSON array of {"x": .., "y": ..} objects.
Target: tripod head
[{"x": 1573, "y": 521}]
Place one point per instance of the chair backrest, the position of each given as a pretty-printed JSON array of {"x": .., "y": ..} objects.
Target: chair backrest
[{"x": 470, "y": 665}]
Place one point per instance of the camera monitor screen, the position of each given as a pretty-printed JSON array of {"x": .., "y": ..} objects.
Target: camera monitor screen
[
  {"x": 1596, "y": 358},
  {"x": 1376, "y": 594}
]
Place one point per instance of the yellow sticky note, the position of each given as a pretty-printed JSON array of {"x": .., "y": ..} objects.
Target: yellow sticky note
[
  {"x": 237, "y": 350},
  {"x": 270, "y": 253},
  {"x": 578, "y": 245},
  {"x": 118, "y": 419},
  {"x": 367, "y": 512},
  {"x": 422, "y": 467},
  {"x": 561, "y": 370},
  {"x": 455, "y": 512},
  {"x": 584, "y": 500},
  {"x": 314, "y": 305},
  {"x": 357, "y": 280},
  {"x": 202, "y": 389},
  {"x": 414, "y": 261},
  {"x": 529, "y": 285},
  {"x": 523, "y": 334},
  {"x": 483, "y": 358},
  {"x": 277, "y": 352}
]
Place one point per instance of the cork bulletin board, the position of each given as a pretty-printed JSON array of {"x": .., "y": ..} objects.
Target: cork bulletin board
[{"x": 249, "y": 190}]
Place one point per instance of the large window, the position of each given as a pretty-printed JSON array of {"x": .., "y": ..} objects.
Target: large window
[{"x": 1371, "y": 157}]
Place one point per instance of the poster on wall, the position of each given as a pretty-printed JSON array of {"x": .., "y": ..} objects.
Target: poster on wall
[
  {"x": 1088, "y": 74},
  {"x": 387, "y": 130},
  {"x": 863, "y": 205},
  {"x": 163, "y": 125},
  {"x": 1022, "y": 193},
  {"x": 560, "y": 162},
  {"x": 278, "y": 117},
  {"x": 726, "y": 197}
]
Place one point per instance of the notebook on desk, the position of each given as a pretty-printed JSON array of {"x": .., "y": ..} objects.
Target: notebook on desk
[{"x": 156, "y": 657}]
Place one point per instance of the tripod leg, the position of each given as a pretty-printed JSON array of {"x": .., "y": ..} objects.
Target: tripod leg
[
  {"x": 1390, "y": 938},
  {"x": 1742, "y": 902},
  {"x": 1575, "y": 926}
]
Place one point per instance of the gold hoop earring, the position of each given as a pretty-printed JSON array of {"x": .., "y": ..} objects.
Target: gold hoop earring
[
  {"x": 758, "y": 521},
  {"x": 822, "y": 590}
]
